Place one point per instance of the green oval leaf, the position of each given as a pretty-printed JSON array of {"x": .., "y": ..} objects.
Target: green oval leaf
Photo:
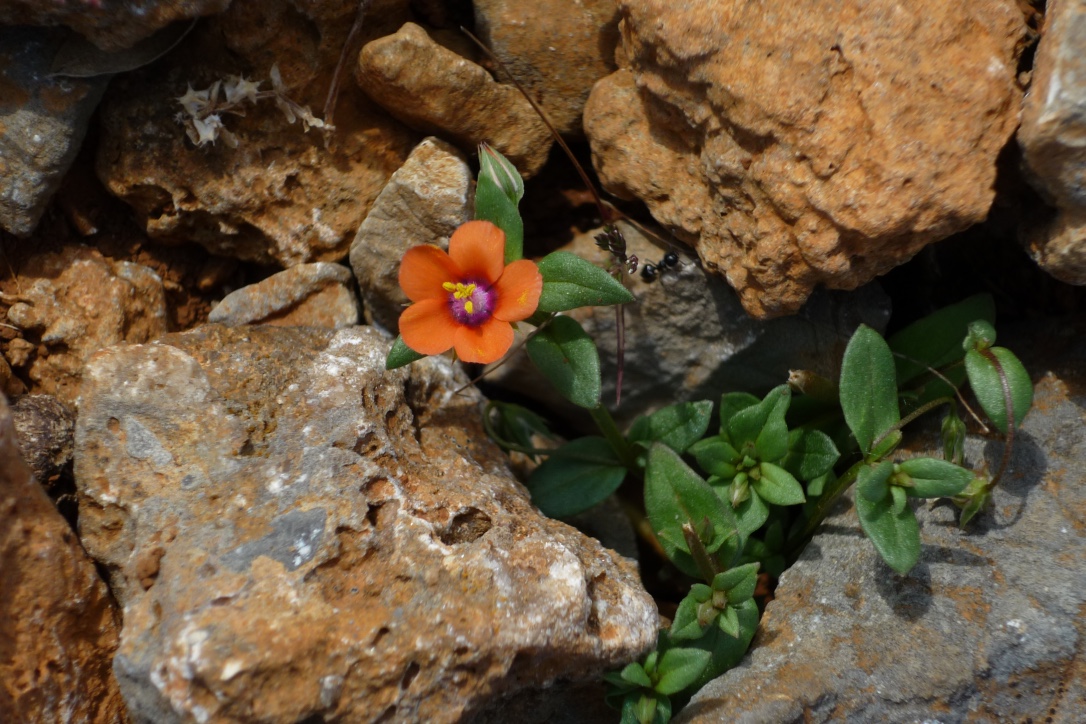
[
  {"x": 987, "y": 384},
  {"x": 570, "y": 282},
  {"x": 763, "y": 425},
  {"x": 675, "y": 495},
  {"x": 726, "y": 650},
  {"x": 565, "y": 353},
  {"x": 933, "y": 478},
  {"x": 739, "y": 582},
  {"x": 895, "y": 534},
  {"x": 678, "y": 426},
  {"x": 679, "y": 668},
  {"x": 401, "y": 355},
  {"x": 777, "y": 486},
  {"x": 716, "y": 457},
  {"x": 576, "y": 477},
  {"x": 733, "y": 402},
  {"x": 868, "y": 387},
  {"x": 811, "y": 453},
  {"x": 872, "y": 481}
]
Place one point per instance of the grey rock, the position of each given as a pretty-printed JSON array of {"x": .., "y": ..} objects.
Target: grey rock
[
  {"x": 423, "y": 203},
  {"x": 112, "y": 25},
  {"x": 1051, "y": 136},
  {"x": 296, "y": 533},
  {"x": 987, "y": 627},
  {"x": 688, "y": 338},
  {"x": 307, "y": 295},
  {"x": 42, "y": 124},
  {"x": 45, "y": 430}
]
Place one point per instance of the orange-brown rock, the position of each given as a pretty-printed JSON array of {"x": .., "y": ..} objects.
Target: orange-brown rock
[
  {"x": 813, "y": 142},
  {"x": 296, "y": 533},
  {"x": 557, "y": 49},
  {"x": 58, "y": 623},
  {"x": 72, "y": 303},
  {"x": 436, "y": 91},
  {"x": 282, "y": 196}
]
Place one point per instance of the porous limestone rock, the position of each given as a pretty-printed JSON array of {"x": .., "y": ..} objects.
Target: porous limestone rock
[
  {"x": 1051, "y": 136},
  {"x": 42, "y": 124},
  {"x": 557, "y": 49},
  {"x": 808, "y": 143},
  {"x": 307, "y": 295},
  {"x": 72, "y": 303},
  {"x": 423, "y": 203},
  {"x": 110, "y": 24},
  {"x": 434, "y": 90},
  {"x": 295, "y": 532},
  {"x": 988, "y": 626},
  {"x": 58, "y": 624},
  {"x": 284, "y": 195}
]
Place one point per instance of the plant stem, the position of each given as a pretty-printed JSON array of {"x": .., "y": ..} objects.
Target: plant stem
[
  {"x": 825, "y": 502},
  {"x": 618, "y": 443},
  {"x": 706, "y": 566}
]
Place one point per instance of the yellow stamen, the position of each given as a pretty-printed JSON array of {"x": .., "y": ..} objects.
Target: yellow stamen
[
  {"x": 460, "y": 291},
  {"x": 469, "y": 307}
]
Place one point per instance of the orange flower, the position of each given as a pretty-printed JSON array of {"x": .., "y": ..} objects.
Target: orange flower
[{"x": 466, "y": 299}]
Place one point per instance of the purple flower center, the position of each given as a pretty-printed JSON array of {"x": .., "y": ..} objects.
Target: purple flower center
[{"x": 471, "y": 302}]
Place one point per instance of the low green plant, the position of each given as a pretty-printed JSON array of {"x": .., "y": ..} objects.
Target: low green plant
[{"x": 770, "y": 470}]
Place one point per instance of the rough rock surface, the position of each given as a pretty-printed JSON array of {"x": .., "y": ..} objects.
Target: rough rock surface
[
  {"x": 58, "y": 624},
  {"x": 109, "y": 24},
  {"x": 812, "y": 142},
  {"x": 42, "y": 124},
  {"x": 688, "y": 338},
  {"x": 1053, "y": 126},
  {"x": 988, "y": 627},
  {"x": 307, "y": 295},
  {"x": 72, "y": 304},
  {"x": 295, "y": 532},
  {"x": 434, "y": 90},
  {"x": 281, "y": 196},
  {"x": 45, "y": 431},
  {"x": 556, "y": 49},
  {"x": 423, "y": 203}
]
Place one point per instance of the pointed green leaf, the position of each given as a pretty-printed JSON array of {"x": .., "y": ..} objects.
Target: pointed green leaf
[
  {"x": 565, "y": 353},
  {"x": 716, "y": 457},
  {"x": 675, "y": 495},
  {"x": 575, "y": 477},
  {"x": 751, "y": 514},
  {"x": 678, "y": 426},
  {"x": 868, "y": 387},
  {"x": 896, "y": 536},
  {"x": 570, "y": 282},
  {"x": 763, "y": 426},
  {"x": 686, "y": 626},
  {"x": 679, "y": 668},
  {"x": 811, "y": 453},
  {"x": 815, "y": 486},
  {"x": 933, "y": 478},
  {"x": 496, "y": 199},
  {"x": 635, "y": 674},
  {"x": 738, "y": 582},
  {"x": 733, "y": 402},
  {"x": 726, "y": 651},
  {"x": 401, "y": 355},
  {"x": 988, "y": 385},
  {"x": 777, "y": 486}
]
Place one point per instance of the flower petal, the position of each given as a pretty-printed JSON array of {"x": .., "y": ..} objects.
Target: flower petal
[
  {"x": 423, "y": 270},
  {"x": 483, "y": 344},
  {"x": 428, "y": 327},
  {"x": 478, "y": 249},
  {"x": 518, "y": 291}
]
